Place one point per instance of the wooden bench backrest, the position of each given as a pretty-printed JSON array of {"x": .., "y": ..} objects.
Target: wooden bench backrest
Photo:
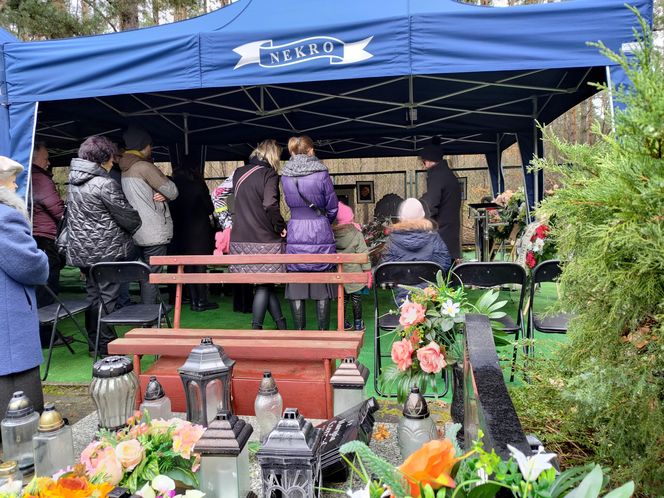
[{"x": 339, "y": 278}]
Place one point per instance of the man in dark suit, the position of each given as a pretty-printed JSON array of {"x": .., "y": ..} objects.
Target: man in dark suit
[{"x": 443, "y": 197}]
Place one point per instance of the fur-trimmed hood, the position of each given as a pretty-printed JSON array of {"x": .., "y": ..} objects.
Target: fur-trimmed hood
[
  {"x": 9, "y": 198},
  {"x": 422, "y": 224}
]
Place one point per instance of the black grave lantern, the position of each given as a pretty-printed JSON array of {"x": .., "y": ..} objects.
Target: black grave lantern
[
  {"x": 206, "y": 376},
  {"x": 290, "y": 459}
]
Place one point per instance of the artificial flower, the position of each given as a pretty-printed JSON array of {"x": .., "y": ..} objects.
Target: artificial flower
[
  {"x": 360, "y": 493},
  {"x": 542, "y": 231},
  {"x": 146, "y": 492},
  {"x": 163, "y": 484},
  {"x": 531, "y": 467},
  {"x": 431, "y": 359},
  {"x": 430, "y": 293},
  {"x": 191, "y": 493},
  {"x": 538, "y": 245},
  {"x": 402, "y": 352},
  {"x": 411, "y": 314},
  {"x": 431, "y": 464},
  {"x": 531, "y": 261},
  {"x": 185, "y": 437},
  {"x": 450, "y": 308},
  {"x": 130, "y": 453},
  {"x": 102, "y": 461}
]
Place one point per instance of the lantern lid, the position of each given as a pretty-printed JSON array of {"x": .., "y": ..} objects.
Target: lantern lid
[
  {"x": 351, "y": 374},
  {"x": 415, "y": 406},
  {"x": 19, "y": 406},
  {"x": 268, "y": 386},
  {"x": 8, "y": 468},
  {"x": 50, "y": 419},
  {"x": 293, "y": 437},
  {"x": 154, "y": 390},
  {"x": 225, "y": 435},
  {"x": 207, "y": 358},
  {"x": 112, "y": 366}
]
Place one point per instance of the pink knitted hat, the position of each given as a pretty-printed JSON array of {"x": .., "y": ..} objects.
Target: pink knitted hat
[{"x": 345, "y": 215}]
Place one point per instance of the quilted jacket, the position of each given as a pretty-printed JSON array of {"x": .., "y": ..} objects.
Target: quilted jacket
[{"x": 100, "y": 222}]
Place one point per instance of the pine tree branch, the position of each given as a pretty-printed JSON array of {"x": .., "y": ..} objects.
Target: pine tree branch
[{"x": 94, "y": 8}]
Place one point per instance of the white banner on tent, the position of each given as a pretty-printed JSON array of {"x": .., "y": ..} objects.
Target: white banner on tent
[{"x": 266, "y": 54}]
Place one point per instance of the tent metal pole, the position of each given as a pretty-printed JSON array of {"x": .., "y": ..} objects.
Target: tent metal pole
[
  {"x": 535, "y": 154},
  {"x": 186, "y": 134},
  {"x": 609, "y": 86}
]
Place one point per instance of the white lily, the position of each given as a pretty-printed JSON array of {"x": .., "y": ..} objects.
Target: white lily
[
  {"x": 531, "y": 467},
  {"x": 146, "y": 492},
  {"x": 450, "y": 308},
  {"x": 360, "y": 493},
  {"x": 163, "y": 484}
]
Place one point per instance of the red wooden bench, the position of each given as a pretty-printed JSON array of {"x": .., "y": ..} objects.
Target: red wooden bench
[{"x": 301, "y": 361}]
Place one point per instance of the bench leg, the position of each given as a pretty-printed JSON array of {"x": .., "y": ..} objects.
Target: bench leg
[
  {"x": 137, "y": 371},
  {"x": 329, "y": 400}
]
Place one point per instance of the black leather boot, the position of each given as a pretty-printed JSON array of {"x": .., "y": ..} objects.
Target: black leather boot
[
  {"x": 299, "y": 311},
  {"x": 202, "y": 303},
  {"x": 256, "y": 326},
  {"x": 323, "y": 314}
]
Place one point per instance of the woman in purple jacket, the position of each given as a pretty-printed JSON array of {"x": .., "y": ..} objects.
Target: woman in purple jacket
[{"x": 309, "y": 193}]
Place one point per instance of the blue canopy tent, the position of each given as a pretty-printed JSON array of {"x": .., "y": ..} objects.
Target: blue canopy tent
[{"x": 373, "y": 78}]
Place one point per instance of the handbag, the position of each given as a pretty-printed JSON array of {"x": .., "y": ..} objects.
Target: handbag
[
  {"x": 62, "y": 237},
  {"x": 224, "y": 241},
  {"x": 318, "y": 210}
]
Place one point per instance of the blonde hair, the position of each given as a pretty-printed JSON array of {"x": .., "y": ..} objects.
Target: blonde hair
[
  {"x": 270, "y": 151},
  {"x": 300, "y": 145}
]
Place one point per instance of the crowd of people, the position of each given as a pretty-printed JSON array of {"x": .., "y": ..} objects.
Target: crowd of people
[{"x": 121, "y": 207}]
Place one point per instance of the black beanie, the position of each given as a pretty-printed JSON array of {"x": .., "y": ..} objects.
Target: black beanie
[
  {"x": 136, "y": 138},
  {"x": 432, "y": 152}
]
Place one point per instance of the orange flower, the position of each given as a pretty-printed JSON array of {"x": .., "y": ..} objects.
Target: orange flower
[
  {"x": 431, "y": 464},
  {"x": 76, "y": 487}
]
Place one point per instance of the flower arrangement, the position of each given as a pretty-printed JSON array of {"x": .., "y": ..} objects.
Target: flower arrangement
[
  {"x": 431, "y": 336},
  {"x": 164, "y": 487},
  {"x": 439, "y": 469},
  {"x": 135, "y": 455},
  {"x": 535, "y": 245},
  {"x": 375, "y": 233},
  {"x": 70, "y": 484},
  {"x": 512, "y": 214}
]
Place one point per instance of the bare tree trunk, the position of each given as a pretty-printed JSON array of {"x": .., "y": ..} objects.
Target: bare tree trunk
[
  {"x": 155, "y": 11},
  {"x": 128, "y": 13}
]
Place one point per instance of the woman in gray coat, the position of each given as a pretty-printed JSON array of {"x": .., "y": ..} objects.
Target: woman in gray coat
[{"x": 99, "y": 225}]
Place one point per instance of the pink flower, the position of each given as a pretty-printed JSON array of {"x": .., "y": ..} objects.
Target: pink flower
[
  {"x": 411, "y": 314},
  {"x": 89, "y": 456},
  {"x": 130, "y": 453},
  {"x": 402, "y": 352},
  {"x": 530, "y": 259},
  {"x": 430, "y": 293},
  {"x": 107, "y": 464},
  {"x": 185, "y": 437},
  {"x": 431, "y": 359}
]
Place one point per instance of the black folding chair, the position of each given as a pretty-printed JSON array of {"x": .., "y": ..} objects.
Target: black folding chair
[
  {"x": 388, "y": 277},
  {"x": 497, "y": 274},
  {"x": 145, "y": 315},
  {"x": 556, "y": 323},
  {"x": 51, "y": 314}
]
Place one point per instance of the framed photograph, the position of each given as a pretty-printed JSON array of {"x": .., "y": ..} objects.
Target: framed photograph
[
  {"x": 365, "y": 192},
  {"x": 463, "y": 183}
]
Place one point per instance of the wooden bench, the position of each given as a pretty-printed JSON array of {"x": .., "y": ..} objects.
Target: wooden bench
[{"x": 302, "y": 362}]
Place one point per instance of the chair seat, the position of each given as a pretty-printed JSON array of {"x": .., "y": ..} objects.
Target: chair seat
[
  {"x": 388, "y": 322},
  {"x": 509, "y": 325},
  {"x": 47, "y": 314},
  {"x": 556, "y": 324},
  {"x": 135, "y": 314}
]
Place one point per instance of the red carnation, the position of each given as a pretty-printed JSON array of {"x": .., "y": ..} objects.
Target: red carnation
[
  {"x": 542, "y": 231},
  {"x": 530, "y": 260}
]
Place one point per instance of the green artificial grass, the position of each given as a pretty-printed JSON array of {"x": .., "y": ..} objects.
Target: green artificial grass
[{"x": 77, "y": 369}]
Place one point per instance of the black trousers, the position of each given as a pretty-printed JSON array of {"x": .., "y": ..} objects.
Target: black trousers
[{"x": 43, "y": 297}]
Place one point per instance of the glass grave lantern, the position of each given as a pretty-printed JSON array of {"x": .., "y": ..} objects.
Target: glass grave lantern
[
  {"x": 416, "y": 427},
  {"x": 348, "y": 384},
  {"x": 290, "y": 458},
  {"x": 18, "y": 428},
  {"x": 53, "y": 444},
  {"x": 206, "y": 376},
  {"x": 224, "y": 452},
  {"x": 113, "y": 389},
  {"x": 155, "y": 401},
  {"x": 268, "y": 405},
  {"x": 11, "y": 479}
]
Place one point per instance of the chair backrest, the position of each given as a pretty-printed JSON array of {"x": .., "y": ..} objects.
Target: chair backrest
[
  {"x": 546, "y": 271},
  {"x": 120, "y": 272},
  {"x": 390, "y": 275},
  {"x": 490, "y": 274}
]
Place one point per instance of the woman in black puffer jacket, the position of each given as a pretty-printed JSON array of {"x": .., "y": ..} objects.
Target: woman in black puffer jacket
[{"x": 99, "y": 225}]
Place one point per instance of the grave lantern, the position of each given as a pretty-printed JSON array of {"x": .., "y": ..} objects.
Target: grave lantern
[
  {"x": 17, "y": 429},
  {"x": 53, "y": 445},
  {"x": 206, "y": 376},
  {"x": 289, "y": 458},
  {"x": 416, "y": 427},
  {"x": 113, "y": 389},
  {"x": 348, "y": 383},
  {"x": 225, "y": 457},
  {"x": 268, "y": 405},
  {"x": 155, "y": 401}
]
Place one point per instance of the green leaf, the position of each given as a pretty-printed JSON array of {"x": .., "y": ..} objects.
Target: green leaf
[
  {"x": 383, "y": 470},
  {"x": 624, "y": 491},
  {"x": 151, "y": 470},
  {"x": 590, "y": 486},
  {"x": 185, "y": 476},
  {"x": 132, "y": 482},
  {"x": 486, "y": 490}
]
